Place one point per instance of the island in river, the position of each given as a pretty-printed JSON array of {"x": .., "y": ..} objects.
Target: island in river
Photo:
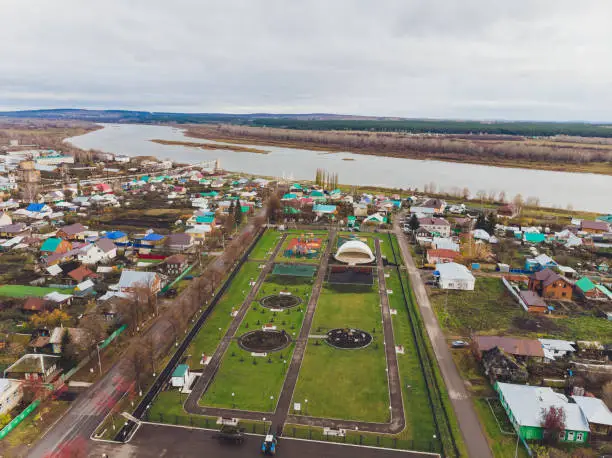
[{"x": 211, "y": 146}]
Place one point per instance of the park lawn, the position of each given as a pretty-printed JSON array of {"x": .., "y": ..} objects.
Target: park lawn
[
  {"x": 420, "y": 425},
  {"x": 265, "y": 246},
  {"x": 19, "y": 291},
  {"x": 316, "y": 260},
  {"x": 351, "y": 306},
  {"x": 253, "y": 384},
  {"x": 253, "y": 380},
  {"x": 333, "y": 380},
  {"x": 209, "y": 335},
  {"x": 344, "y": 384}
]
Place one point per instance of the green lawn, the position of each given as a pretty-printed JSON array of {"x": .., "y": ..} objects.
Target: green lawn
[
  {"x": 316, "y": 260},
  {"x": 209, "y": 336},
  {"x": 254, "y": 379},
  {"x": 266, "y": 245},
  {"x": 347, "y": 384},
  {"x": 19, "y": 291},
  {"x": 419, "y": 416}
]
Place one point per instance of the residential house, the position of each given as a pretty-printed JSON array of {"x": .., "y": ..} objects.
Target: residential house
[
  {"x": 103, "y": 188},
  {"x": 11, "y": 394},
  {"x": 501, "y": 366},
  {"x": 523, "y": 349},
  {"x": 85, "y": 288},
  {"x": 77, "y": 335},
  {"x": 429, "y": 207},
  {"x": 117, "y": 237},
  {"x": 58, "y": 299},
  {"x": 72, "y": 232},
  {"x": 81, "y": 273},
  {"x": 198, "y": 233},
  {"x": 55, "y": 245},
  {"x": 375, "y": 218},
  {"x": 5, "y": 219},
  {"x": 454, "y": 276},
  {"x": 36, "y": 210},
  {"x": 360, "y": 209},
  {"x": 35, "y": 305},
  {"x": 549, "y": 284},
  {"x": 321, "y": 209},
  {"x": 526, "y": 407},
  {"x": 102, "y": 250},
  {"x": 534, "y": 237},
  {"x": 554, "y": 348},
  {"x": 34, "y": 367},
  {"x": 132, "y": 279},
  {"x": 597, "y": 414},
  {"x": 150, "y": 241},
  {"x": 445, "y": 243},
  {"x": 179, "y": 242},
  {"x": 439, "y": 256},
  {"x": 508, "y": 211},
  {"x": 589, "y": 290},
  {"x": 175, "y": 264},
  {"x": 533, "y": 302},
  {"x": 14, "y": 230},
  {"x": 436, "y": 226},
  {"x": 594, "y": 227}
]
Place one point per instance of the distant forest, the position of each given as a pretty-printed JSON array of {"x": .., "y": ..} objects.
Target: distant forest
[
  {"x": 523, "y": 128},
  {"x": 324, "y": 121}
]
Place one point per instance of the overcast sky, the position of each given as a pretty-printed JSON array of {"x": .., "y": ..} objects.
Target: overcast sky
[{"x": 506, "y": 59}]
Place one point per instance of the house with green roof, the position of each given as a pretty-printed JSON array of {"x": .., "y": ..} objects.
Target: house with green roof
[
  {"x": 180, "y": 376},
  {"x": 588, "y": 289},
  {"x": 55, "y": 245},
  {"x": 534, "y": 237}
]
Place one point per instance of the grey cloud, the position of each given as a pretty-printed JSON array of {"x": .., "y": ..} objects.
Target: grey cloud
[{"x": 524, "y": 59}]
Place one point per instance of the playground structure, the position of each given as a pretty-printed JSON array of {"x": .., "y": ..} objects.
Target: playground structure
[{"x": 304, "y": 246}]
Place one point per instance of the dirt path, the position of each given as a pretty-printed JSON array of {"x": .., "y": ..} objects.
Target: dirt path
[
  {"x": 470, "y": 426},
  {"x": 209, "y": 372}
]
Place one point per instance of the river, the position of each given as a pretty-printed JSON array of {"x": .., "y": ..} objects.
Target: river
[{"x": 584, "y": 191}]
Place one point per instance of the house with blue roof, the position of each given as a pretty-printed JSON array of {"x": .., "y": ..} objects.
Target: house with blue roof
[
  {"x": 321, "y": 209},
  {"x": 38, "y": 208},
  {"x": 119, "y": 238}
]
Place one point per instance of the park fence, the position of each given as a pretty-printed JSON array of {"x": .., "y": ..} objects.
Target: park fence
[
  {"x": 198, "y": 421},
  {"x": 364, "y": 439}
]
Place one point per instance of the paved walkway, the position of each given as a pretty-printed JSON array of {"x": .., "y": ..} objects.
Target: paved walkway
[
  {"x": 209, "y": 372},
  {"x": 470, "y": 426},
  {"x": 284, "y": 402},
  {"x": 397, "y": 422}
]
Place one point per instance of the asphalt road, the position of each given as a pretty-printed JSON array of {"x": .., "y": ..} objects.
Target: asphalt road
[
  {"x": 167, "y": 441},
  {"x": 471, "y": 429}
]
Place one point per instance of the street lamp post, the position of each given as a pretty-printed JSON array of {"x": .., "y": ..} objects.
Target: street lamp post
[
  {"x": 99, "y": 361},
  {"x": 271, "y": 402},
  {"x": 233, "y": 400},
  {"x": 306, "y": 406}
]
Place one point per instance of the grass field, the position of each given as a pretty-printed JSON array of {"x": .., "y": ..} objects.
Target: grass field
[
  {"x": 219, "y": 320},
  {"x": 417, "y": 409},
  {"x": 346, "y": 384},
  {"x": 19, "y": 291},
  {"x": 266, "y": 245},
  {"x": 254, "y": 380},
  {"x": 490, "y": 309}
]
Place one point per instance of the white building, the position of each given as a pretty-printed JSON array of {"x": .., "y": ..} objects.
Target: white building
[
  {"x": 10, "y": 394},
  {"x": 455, "y": 276}
]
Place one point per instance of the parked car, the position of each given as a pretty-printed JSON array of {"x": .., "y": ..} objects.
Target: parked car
[{"x": 459, "y": 344}]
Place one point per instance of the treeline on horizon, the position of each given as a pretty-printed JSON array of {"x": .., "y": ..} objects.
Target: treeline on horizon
[
  {"x": 318, "y": 122},
  {"x": 519, "y": 128}
]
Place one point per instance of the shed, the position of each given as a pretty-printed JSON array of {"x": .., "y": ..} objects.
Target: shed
[{"x": 180, "y": 376}]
